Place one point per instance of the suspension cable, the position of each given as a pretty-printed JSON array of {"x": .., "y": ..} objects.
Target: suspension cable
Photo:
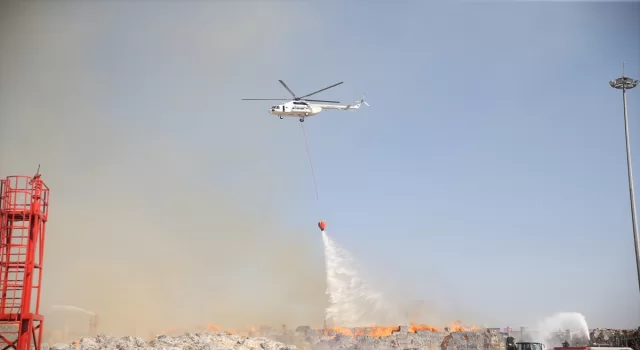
[{"x": 310, "y": 162}]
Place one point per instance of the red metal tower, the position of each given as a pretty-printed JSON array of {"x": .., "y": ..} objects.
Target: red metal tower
[{"x": 24, "y": 207}]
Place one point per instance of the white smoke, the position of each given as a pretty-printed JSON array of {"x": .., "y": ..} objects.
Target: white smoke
[{"x": 559, "y": 322}]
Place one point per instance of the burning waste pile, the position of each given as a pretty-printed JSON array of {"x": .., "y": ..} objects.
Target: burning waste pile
[
  {"x": 406, "y": 337},
  {"x": 414, "y": 337},
  {"x": 401, "y": 337}
]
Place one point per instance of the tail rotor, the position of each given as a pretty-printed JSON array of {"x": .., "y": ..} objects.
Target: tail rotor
[
  {"x": 357, "y": 104},
  {"x": 363, "y": 101}
]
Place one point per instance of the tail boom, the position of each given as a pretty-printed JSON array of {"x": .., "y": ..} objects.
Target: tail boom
[{"x": 354, "y": 105}]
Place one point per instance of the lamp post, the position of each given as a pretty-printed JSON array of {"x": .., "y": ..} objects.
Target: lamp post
[{"x": 625, "y": 83}]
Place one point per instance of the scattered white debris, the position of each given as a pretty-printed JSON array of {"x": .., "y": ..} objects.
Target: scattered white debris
[{"x": 188, "y": 341}]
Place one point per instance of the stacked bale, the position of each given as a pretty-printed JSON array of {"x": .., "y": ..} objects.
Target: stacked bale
[
  {"x": 616, "y": 337},
  {"x": 403, "y": 339},
  {"x": 188, "y": 341}
]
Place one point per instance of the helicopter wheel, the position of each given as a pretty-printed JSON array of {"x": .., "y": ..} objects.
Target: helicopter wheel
[
  {"x": 280, "y": 117},
  {"x": 301, "y": 120}
]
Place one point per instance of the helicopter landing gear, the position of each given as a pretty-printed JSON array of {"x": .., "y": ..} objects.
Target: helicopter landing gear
[
  {"x": 280, "y": 117},
  {"x": 301, "y": 120}
]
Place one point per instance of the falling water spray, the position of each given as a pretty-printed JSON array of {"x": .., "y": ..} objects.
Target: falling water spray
[
  {"x": 352, "y": 301},
  {"x": 72, "y": 308},
  {"x": 561, "y": 321}
]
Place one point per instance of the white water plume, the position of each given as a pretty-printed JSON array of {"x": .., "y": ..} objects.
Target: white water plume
[
  {"x": 72, "y": 308},
  {"x": 353, "y": 302},
  {"x": 559, "y": 323}
]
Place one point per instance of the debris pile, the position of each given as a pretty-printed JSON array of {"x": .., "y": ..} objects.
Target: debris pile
[
  {"x": 188, "y": 341},
  {"x": 404, "y": 338},
  {"x": 401, "y": 337},
  {"x": 304, "y": 337},
  {"x": 616, "y": 337}
]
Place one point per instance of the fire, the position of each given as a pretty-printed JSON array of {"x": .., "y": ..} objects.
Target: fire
[
  {"x": 384, "y": 331},
  {"x": 376, "y": 331},
  {"x": 422, "y": 327},
  {"x": 213, "y": 328},
  {"x": 339, "y": 330},
  {"x": 457, "y": 327}
]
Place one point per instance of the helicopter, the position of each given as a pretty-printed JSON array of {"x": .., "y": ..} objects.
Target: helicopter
[{"x": 300, "y": 106}]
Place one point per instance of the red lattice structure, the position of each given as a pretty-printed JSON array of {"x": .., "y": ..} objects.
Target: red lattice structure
[{"x": 24, "y": 207}]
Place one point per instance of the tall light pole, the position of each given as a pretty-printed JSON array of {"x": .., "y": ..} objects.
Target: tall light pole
[{"x": 625, "y": 83}]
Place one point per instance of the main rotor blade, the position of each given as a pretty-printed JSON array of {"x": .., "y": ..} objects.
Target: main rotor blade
[
  {"x": 286, "y": 87},
  {"x": 265, "y": 99},
  {"x": 322, "y": 101},
  {"x": 329, "y": 87}
]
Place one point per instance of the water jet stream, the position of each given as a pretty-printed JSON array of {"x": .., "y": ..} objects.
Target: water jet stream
[{"x": 353, "y": 302}]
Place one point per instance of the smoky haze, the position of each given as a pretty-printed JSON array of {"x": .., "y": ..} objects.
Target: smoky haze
[{"x": 167, "y": 203}]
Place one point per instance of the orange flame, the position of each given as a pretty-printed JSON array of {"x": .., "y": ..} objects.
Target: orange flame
[
  {"x": 422, "y": 327},
  {"x": 338, "y": 330},
  {"x": 384, "y": 331},
  {"x": 457, "y": 327},
  {"x": 213, "y": 328},
  {"x": 374, "y": 331}
]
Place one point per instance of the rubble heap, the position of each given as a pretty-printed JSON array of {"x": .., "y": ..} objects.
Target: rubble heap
[
  {"x": 396, "y": 338},
  {"x": 404, "y": 339},
  {"x": 305, "y": 337},
  {"x": 616, "y": 337},
  {"x": 188, "y": 341}
]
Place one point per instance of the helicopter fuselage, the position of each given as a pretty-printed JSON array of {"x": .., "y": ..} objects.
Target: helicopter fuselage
[
  {"x": 295, "y": 109},
  {"x": 301, "y": 108}
]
